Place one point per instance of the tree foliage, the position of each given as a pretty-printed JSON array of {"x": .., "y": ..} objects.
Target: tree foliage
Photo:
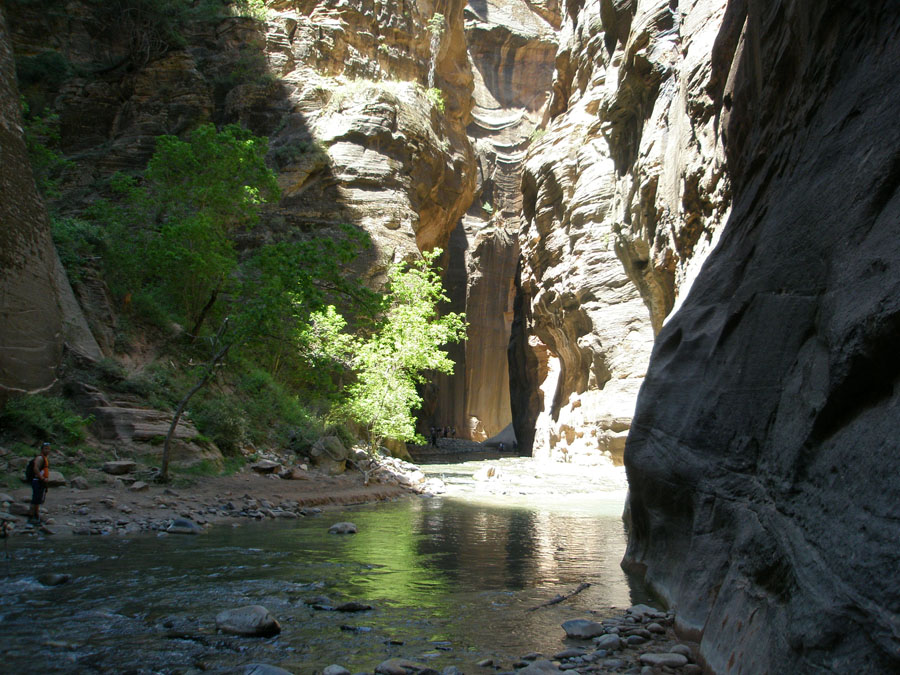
[{"x": 395, "y": 358}]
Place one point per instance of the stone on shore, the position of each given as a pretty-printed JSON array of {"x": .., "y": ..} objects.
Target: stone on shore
[
  {"x": 184, "y": 526},
  {"x": 538, "y": 667},
  {"x": 79, "y": 483},
  {"x": 119, "y": 467},
  {"x": 335, "y": 669},
  {"x": 666, "y": 659},
  {"x": 399, "y": 667},
  {"x": 265, "y": 466},
  {"x": 56, "y": 479},
  {"x": 138, "y": 486},
  {"x": 342, "y": 528},
  {"x": 17, "y": 509},
  {"x": 608, "y": 642},
  {"x": 251, "y": 621},
  {"x": 583, "y": 629}
]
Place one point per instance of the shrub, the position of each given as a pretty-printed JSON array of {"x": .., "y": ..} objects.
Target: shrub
[
  {"x": 436, "y": 96},
  {"x": 44, "y": 417},
  {"x": 222, "y": 420}
]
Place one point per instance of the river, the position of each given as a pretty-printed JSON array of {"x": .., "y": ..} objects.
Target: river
[{"x": 450, "y": 578}]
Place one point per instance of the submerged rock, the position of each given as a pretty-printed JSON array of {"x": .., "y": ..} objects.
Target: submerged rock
[
  {"x": 264, "y": 669},
  {"x": 251, "y": 621},
  {"x": 54, "y": 578},
  {"x": 342, "y": 528}
]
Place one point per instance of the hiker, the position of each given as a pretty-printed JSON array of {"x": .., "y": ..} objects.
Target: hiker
[
  {"x": 40, "y": 474},
  {"x": 434, "y": 436}
]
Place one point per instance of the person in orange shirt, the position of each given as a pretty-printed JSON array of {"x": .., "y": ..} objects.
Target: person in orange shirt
[{"x": 39, "y": 482}]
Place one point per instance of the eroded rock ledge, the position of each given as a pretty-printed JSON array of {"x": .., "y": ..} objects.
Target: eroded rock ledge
[{"x": 761, "y": 458}]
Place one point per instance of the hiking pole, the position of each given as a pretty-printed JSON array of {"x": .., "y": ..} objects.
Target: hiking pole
[{"x": 4, "y": 534}]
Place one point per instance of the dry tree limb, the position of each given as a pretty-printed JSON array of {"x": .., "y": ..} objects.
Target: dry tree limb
[{"x": 560, "y": 598}]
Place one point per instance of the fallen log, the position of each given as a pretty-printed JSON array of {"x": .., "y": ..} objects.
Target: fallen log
[{"x": 559, "y": 598}]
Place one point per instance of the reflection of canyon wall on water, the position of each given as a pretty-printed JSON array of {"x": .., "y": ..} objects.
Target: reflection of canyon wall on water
[
  {"x": 622, "y": 198},
  {"x": 763, "y": 457}
]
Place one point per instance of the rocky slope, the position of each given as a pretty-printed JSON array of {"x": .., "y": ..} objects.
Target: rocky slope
[
  {"x": 622, "y": 198},
  {"x": 761, "y": 458}
]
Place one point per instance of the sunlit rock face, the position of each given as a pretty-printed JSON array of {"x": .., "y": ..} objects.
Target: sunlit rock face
[
  {"x": 340, "y": 88},
  {"x": 360, "y": 140},
  {"x": 762, "y": 457},
  {"x": 511, "y": 50},
  {"x": 622, "y": 199}
]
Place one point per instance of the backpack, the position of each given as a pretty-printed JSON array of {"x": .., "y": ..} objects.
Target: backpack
[{"x": 29, "y": 470}]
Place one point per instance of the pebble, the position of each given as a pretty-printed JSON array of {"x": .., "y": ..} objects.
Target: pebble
[{"x": 684, "y": 650}]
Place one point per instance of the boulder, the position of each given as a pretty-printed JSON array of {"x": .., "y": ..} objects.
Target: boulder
[
  {"x": 184, "y": 526},
  {"x": 342, "y": 528},
  {"x": 119, "y": 467},
  {"x": 660, "y": 660},
  {"x": 265, "y": 466},
  {"x": 608, "y": 642},
  {"x": 540, "y": 667},
  {"x": 335, "y": 669},
  {"x": 54, "y": 579},
  {"x": 250, "y": 621},
  {"x": 19, "y": 509},
  {"x": 583, "y": 629},
  {"x": 138, "y": 486},
  {"x": 264, "y": 669},
  {"x": 399, "y": 667},
  {"x": 79, "y": 483},
  {"x": 56, "y": 479},
  {"x": 5, "y": 498},
  {"x": 328, "y": 454}
]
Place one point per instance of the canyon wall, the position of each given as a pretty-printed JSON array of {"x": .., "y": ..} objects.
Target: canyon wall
[
  {"x": 511, "y": 47},
  {"x": 623, "y": 197},
  {"x": 38, "y": 313},
  {"x": 762, "y": 456}
]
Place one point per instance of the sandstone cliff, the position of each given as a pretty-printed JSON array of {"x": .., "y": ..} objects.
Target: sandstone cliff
[
  {"x": 622, "y": 198},
  {"x": 38, "y": 313},
  {"x": 511, "y": 47},
  {"x": 762, "y": 457}
]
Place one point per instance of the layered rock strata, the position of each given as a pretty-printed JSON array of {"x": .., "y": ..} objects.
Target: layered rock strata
[
  {"x": 511, "y": 47},
  {"x": 622, "y": 197},
  {"x": 761, "y": 459}
]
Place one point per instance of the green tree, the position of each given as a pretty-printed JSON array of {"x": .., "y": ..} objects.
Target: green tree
[
  {"x": 394, "y": 359},
  {"x": 175, "y": 228}
]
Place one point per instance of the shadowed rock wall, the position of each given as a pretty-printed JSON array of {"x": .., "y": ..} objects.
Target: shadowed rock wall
[
  {"x": 38, "y": 311},
  {"x": 762, "y": 456}
]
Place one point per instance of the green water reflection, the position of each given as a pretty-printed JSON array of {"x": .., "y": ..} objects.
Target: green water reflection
[{"x": 449, "y": 579}]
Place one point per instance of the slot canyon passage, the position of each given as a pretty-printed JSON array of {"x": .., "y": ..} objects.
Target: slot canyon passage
[{"x": 672, "y": 228}]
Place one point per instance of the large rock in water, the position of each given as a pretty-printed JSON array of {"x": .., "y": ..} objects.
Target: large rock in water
[
  {"x": 251, "y": 621},
  {"x": 762, "y": 456}
]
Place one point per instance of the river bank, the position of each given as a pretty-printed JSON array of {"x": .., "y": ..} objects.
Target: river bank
[{"x": 124, "y": 506}]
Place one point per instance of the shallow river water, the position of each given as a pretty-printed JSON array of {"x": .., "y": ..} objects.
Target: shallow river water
[{"x": 450, "y": 578}]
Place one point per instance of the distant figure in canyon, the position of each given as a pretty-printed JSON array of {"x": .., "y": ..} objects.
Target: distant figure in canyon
[
  {"x": 434, "y": 436},
  {"x": 40, "y": 473}
]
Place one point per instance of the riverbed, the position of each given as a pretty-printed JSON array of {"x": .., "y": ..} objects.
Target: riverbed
[{"x": 450, "y": 579}]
